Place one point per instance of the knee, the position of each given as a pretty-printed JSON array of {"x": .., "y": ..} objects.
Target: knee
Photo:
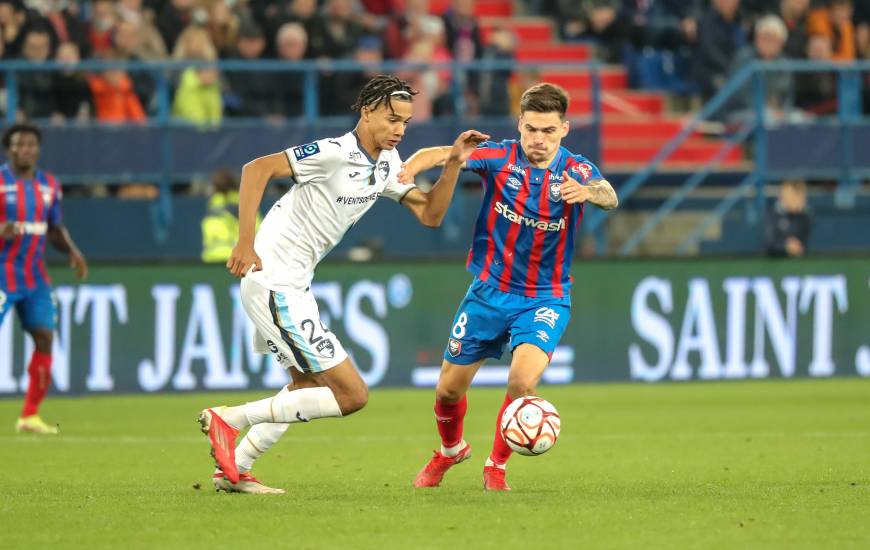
[
  {"x": 445, "y": 393},
  {"x": 352, "y": 402},
  {"x": 42, "y": 340}
]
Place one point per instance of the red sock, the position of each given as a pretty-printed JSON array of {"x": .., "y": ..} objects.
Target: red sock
[
  {"x": 449, "y": 417},
  {"x": 500, "y": 450},
  {"x": 40, "y": 379}
]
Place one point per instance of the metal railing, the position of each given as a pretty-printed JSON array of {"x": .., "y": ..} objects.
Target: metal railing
[
  {"x": 164, "y": 73},
  {"x": 849, "y": 89}
]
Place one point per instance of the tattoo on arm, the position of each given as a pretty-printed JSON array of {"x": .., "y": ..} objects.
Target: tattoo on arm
[{"x": 602, "y": 195}]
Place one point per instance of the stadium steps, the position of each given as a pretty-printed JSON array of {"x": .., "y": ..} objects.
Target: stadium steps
[
  {"x": 530, "y": 32},
  {"x": 642, "y": 150},
  {"x": 664, "y": 239}
]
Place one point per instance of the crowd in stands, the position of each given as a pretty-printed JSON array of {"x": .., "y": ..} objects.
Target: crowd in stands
[{"x": 715, "y": 36}]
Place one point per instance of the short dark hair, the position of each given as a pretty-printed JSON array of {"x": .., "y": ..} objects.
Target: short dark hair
[
  {"x": 545, "y": 98},
  {"x": 382, "y": 89},
  {"x": 21, "y": 128}
]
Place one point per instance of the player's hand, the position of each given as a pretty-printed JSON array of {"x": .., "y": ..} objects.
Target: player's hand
[
  {"x": 572, "y": 191},
  {"x": 241, "y": 260},
  {"x": 465, "y": 144},
  {"x": 77, "y": 262},
  {"x": 407, "y": 174}
]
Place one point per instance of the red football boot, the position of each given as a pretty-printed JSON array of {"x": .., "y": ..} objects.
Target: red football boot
[
  {"x": 433, "y": 472},
  {"x": 222, "y": 437},
  {"x": 493, "y": 479}
]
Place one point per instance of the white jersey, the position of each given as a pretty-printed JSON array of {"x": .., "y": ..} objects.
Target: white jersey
[{"x": 336, "y": 183}]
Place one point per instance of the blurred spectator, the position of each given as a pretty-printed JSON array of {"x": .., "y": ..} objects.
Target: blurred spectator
[
  {"x": 835, "y": 23},
  {"x": 255, "y": 95},
  {"x": 71, "y": 86},
  {"x": 769, "y": 39},
  {"x": 465, "y": 44},
  {"x": 220, "y": 225},
  {"x": 291, "y": 42},
  {"x": 131, "y": 46},
  {"x": 862, "y": 28},
  {"x": 67, "y": 25},
  {"x": 223, "y": 25},
  {"x": 342, "y": 34},
  {"x": 404, "y": 28},
  {"x": 101, "y": 22},
  {"x": 817, "y": 92},
  {"x": 303, "y": 12},
  {"x": 666, "y": 24},
  {"x": 115, "y": 100},
  {"x": 494, "y": 92},
  {"x": 720, "y": 36},
  {"x": 787, "y": 227},
  {"x": 342, "y": 30},
  {"x": 135, "y": 35},
  {"x": 37, "y": 98},
  {"x": 463, "y": 31},
  {"x": 794, "y": 15},
  {"x": 432, "y": 85},
  {"x": 13, "y": 22},
  {"x": 173, "y": 18},
  {"x": 595, "y": 19},
  {"x": 198, "y": 95}
]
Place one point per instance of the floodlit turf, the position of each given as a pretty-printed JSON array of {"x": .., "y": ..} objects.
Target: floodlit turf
[{"x": 718, "y": 465}]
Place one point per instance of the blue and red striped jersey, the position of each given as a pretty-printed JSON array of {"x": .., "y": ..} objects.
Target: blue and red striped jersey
[
  {"x": 524, "y": 235},
  {"x": 33, "y": 205}
]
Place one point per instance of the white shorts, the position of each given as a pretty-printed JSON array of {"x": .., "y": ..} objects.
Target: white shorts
[{"x": 289, "y": 326}]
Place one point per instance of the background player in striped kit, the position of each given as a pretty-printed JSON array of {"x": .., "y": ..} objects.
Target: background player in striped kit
[
  {"x": 30, "y": 214},
  {"x": 535, "y": 191}
]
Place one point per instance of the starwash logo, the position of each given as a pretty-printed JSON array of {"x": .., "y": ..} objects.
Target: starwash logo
[{"x": 506, "y": 212}]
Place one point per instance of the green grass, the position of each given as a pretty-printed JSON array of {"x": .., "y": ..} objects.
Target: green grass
[{"x": 717, "y": 465}]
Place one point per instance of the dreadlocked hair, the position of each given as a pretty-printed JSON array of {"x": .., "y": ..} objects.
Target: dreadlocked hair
[{"x": 379, "y": 91}]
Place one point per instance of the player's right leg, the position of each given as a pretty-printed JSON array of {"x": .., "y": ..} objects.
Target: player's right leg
[
  {"x": 294, "y": 333},
  {"x": 479, "y": 332},
  {"x": 37, "y": 313}
]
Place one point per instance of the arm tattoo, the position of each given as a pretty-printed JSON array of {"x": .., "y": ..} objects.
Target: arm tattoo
[{"x": 602, "y": 195}]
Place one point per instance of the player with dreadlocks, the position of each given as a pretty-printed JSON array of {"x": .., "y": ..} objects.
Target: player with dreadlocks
[{"x": 337, "y": 181}]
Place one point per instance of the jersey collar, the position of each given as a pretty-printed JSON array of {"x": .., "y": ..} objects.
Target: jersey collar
[{"x": 362, "y": 150}]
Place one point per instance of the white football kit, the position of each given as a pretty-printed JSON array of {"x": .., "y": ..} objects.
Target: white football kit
[{"x": 336, "y": 183}]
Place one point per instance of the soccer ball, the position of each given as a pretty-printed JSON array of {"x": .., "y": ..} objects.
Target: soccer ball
[{"x": 530, "y": 425}]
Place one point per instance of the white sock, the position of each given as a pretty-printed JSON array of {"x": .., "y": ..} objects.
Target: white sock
[
  {"x": 295, "y": 406},
  {"x": 490, "y": 463},
  {"x": 258, "y": 440},
  {"x": 454, "y": 450}
]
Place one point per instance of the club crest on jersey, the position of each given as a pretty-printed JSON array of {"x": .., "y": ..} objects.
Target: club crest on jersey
[
  {"x": 384, "y": 169},
  {"x": 514, "y": 183},
  {"x": 305, "y": 151},
  {"x": 325, "y": 348},
  {"x": 555, "y": 192},
  {"x": 454, "y": 347},
  {"x": 546, "y": 315}
]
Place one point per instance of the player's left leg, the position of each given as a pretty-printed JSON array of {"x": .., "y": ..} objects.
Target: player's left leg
[
  {"x": 37, "y": 314},
  {"x": 534, "y": 334}
]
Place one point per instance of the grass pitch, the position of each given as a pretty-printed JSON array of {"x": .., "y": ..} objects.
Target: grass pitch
[{"x": 717, "y": 465}]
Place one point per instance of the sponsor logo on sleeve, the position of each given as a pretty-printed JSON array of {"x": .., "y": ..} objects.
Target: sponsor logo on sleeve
[{"x": 305, "y": 151}]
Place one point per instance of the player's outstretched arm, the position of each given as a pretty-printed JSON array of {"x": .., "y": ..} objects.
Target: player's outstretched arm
[
  {"x": 599, "y": 192},
  {"x": 423, "y": 160},
  {"x": 255, "y": 176},
  {"x": 430, "y": 207},
  {"x": 60, "y": 238}
]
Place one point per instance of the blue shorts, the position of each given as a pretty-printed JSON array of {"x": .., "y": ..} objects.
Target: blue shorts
[
  {"x": 35, "y": 307},
  {"x": 489, "y": 319}
]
